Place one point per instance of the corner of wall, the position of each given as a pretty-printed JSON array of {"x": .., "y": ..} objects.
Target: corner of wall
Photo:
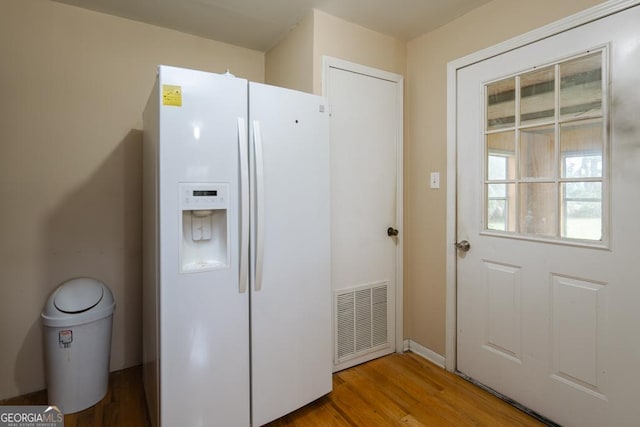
[
  {"x": 290, "y": 62},
  {"x": 333, "y": 36}
]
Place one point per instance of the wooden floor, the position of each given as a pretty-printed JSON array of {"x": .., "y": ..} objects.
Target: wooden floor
[
  {"x": 405, "y": 390},
  {"x": 396, "y": 390},
  {"x": 124, "y": 404}
]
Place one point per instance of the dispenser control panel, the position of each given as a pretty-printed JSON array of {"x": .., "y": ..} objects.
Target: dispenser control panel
[
  {"x": 204, "y": 237},
  {"x": 204, "y": 196}
]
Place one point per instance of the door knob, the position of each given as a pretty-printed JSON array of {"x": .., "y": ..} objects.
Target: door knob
[
  {"x": 463, "y": 246},
  {"x": 392, "y": 232}
]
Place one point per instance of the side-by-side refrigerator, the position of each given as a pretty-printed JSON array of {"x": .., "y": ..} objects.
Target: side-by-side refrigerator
[{"x": 236, "y": 274}]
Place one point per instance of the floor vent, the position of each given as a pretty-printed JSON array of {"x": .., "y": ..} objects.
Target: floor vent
[{"x": 361, "y": 320}]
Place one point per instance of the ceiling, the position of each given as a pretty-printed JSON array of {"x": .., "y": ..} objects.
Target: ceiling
[{"x": 260, "y": 24}]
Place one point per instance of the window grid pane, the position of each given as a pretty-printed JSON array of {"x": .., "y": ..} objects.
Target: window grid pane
[
  {"x": 501, "y": 207},
  {"x": 537, "y": 96},
  {"x": 545, "y": 151},
  {"x": 582, "y": 210},
  {"x": 537, "y": 152},
  {"x": 581, "y": 149},
  {"x": 501, "y": 104},
  {"x": 581, "y": 86}
]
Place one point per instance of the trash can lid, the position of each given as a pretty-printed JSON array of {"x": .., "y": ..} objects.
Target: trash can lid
[
  {"x": 78, "y": 295},
  {"x": 78, "y": 301}
]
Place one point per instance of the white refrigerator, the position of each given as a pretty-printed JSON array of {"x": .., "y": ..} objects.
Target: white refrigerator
[{"x": 236, "y": 241}]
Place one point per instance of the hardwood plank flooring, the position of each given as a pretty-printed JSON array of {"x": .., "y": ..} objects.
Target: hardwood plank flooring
[
  {"x": 405, "y": 390},
  {"x": 124, "y": 404},
  {"x": 396, "y": 390}
]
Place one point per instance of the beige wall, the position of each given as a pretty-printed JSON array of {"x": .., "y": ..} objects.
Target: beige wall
[
  {"x": 341, "y": 39},
  {"x": 74, "y": 84},
  {"x": 296, "y": 62},
  {"x": 426, "y": 145},
  {"x": 290, "y": 63}
]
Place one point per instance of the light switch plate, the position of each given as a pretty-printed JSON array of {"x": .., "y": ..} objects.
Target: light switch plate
[{"x": 435, "y": 180}]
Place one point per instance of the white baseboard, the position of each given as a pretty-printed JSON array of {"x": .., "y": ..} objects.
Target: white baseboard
[{"x": 424, "y": 352}]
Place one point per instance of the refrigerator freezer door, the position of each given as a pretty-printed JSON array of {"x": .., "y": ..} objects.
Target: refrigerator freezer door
[
  {"x": 291, "y": 311},
  {"x": 204, "y": 316}
]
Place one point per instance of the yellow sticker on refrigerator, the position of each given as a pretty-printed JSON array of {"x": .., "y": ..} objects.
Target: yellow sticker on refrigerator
[{"x": 172, "y": 95}]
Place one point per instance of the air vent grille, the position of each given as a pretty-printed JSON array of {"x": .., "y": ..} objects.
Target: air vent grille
[
  {"x": 346, "y": 328},
  {"x": 361, "y": 320}
]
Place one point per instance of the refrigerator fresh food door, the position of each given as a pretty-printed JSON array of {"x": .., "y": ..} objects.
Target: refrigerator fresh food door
[
  {"x": 290, "y": 287},
  {"x": 204, "y": 310}
]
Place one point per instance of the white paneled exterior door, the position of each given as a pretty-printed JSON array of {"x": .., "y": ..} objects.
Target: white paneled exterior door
[
  {"x": 366, "y": 210},
  {"x": 548, "y": 197}
]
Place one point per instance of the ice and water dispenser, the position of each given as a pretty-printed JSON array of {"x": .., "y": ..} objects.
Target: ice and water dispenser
[{"x": 205, "y": 235}]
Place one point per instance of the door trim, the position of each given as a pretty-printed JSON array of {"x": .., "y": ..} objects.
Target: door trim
[
  {"x": 592, "y": 14},
  {"x": 330, "y": 62}
]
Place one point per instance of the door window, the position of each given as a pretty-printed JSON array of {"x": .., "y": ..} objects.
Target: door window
[{"x": 545, "y": 151}]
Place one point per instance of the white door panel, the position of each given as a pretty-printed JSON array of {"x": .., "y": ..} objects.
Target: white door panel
[
  {"x": 366, "y": 163},
  {"x": 290, "y": 309},
  {"x": 364, "y": 179},
  {"x": 551, "y": 325}
]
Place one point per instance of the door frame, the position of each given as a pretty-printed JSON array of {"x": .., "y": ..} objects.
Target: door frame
[
  {"x": 329, "y": 62},
  {"x": 588, "y": 15}
]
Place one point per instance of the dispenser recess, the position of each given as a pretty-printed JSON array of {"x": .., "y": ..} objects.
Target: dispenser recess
[{"x": 205, "y": 236}]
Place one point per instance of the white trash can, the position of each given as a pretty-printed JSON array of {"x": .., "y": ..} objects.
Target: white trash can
[{"x": 77, "y": 322}]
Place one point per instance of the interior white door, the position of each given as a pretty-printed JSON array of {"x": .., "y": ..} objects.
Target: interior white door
[
  {"x": 545, "y": 320},
  {"x": 366, "y": 168},
  {"x": 291, "y": 277}
]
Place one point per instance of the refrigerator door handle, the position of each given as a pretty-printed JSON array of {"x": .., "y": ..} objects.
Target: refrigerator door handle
[
  {"x": 244, "y": 205},
  {"x": 257, "y": 145}
]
